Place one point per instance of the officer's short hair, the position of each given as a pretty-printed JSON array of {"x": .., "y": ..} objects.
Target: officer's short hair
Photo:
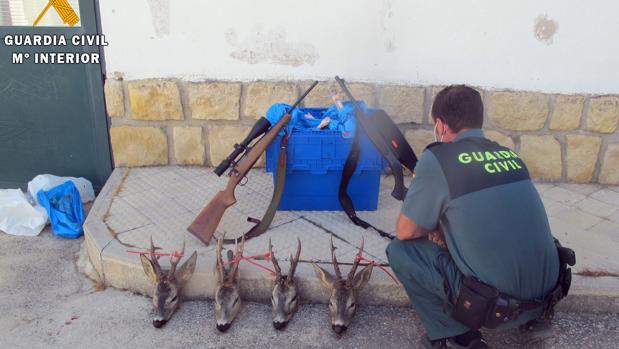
[{"x": 459, "y": 106}]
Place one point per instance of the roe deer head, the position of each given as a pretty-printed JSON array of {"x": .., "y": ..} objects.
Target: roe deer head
[
  {"x": 284, "y": 298},
  {"x": 168, "y": 283},
  {"x": 227, "y": 298},
  {"x": 342, "y": 302}
]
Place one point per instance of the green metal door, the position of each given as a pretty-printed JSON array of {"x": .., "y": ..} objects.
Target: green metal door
[{"x": 52, "y": 116}]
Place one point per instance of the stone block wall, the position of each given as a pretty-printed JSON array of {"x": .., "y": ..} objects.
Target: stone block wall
[{"x": 570, "y": 138}]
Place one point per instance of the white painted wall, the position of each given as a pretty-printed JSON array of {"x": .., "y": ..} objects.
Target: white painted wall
[{"x": 486, "y": 43}]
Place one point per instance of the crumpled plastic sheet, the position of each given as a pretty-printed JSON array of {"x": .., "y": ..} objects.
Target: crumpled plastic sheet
[{"x": 18, "y": 216}]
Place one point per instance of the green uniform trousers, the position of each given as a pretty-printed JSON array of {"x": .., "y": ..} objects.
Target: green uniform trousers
[{"x": 432, "y": 282}]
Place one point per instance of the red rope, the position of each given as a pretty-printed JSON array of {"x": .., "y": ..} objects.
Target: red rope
[
  {"x": 158, "y": 254},
  {"x": 260, "y": 266},
  {"x": 264, "y": 256},
  {"x": 250, "y": 260},
  {"x": 374, "y": 263}
]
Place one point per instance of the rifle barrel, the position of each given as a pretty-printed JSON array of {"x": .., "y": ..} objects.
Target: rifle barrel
[
  {"x": 294, "y": 106},
  {"x": 342, "y": 84}
]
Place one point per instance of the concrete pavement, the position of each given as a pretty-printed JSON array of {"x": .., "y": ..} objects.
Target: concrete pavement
[{"x": 46, "y": 303}]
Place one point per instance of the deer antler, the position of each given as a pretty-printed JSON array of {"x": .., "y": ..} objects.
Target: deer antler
[
  {"x": 220, "y": 263},
  {"x": 154, "y": 258},
  {"x": 278, "y": 270},
  {"x": 237, "y": 259},
  {"x": 176, "y": 257},
  {"x": 336, "y": 266},
  {"x": 294, "y": 261},
  {"x": 353, "y": 270}
]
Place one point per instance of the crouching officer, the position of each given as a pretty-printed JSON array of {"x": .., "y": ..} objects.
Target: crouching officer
[{"x": 474, "y": 247}]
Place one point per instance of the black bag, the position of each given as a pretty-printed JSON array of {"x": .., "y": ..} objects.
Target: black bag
[{"x": 475, "y": 302}]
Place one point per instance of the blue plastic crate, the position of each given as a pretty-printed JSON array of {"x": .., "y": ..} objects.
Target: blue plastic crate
[{"x": 314, "y": 170}]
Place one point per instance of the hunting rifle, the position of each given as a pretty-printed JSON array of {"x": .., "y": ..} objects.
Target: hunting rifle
[{"x": 205, "y": 223}]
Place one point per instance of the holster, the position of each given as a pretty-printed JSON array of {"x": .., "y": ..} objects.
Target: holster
[{"x": 567, "y": 257}]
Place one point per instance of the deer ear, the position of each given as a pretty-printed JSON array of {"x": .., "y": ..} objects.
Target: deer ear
[
  {"x": 362, "y": 277},
  {"x": 325, "y": 278},
  {"x": 186, "y": 270},
  {"x": 149, "y": 269}
]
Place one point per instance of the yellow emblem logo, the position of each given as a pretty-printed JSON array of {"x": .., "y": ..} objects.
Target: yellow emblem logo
[{"x": 64, "y": 10}]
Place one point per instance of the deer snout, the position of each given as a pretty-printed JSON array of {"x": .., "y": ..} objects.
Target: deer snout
[
  {"x": 280, "y": 325},
  {"x": 339, "y": 329},
  {"x": 223, "y": 327},
  {"x": 159, "y": 322}
]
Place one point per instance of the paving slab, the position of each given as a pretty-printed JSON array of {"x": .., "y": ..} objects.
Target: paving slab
[{"x": 160, "y": 202}]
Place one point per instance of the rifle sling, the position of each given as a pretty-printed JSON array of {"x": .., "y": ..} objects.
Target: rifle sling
[
  {"x": 345, "y": 200},
  {"x": 278, "y": 189}
]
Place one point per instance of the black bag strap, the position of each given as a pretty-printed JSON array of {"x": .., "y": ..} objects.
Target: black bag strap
[{"x": 345, "y": 200}]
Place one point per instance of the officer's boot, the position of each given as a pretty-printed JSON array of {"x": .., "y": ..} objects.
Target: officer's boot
[
  {"x": 536, "y": 331},
  {"x": 469, "y": 340}
]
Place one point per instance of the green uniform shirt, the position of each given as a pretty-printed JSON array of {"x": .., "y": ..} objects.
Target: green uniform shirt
[{"x": 495, "y": 224}]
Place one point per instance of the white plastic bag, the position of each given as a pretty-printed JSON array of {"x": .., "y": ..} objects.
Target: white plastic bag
[
  {"x": 17, "y": 216},
  {"x": 46, "y": 182}
]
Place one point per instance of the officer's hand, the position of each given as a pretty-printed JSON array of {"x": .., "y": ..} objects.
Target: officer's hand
[{"x": 438, "y": 238}]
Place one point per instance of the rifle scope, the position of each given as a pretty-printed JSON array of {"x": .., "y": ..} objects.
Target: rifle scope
[{"x": 260, "y": 127}]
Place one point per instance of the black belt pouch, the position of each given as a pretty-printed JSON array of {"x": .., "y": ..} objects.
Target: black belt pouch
[{"x": 475, "y": 301}]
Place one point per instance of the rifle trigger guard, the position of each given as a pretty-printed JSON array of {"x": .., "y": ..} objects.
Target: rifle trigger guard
[{"x": 241, "y": 183}]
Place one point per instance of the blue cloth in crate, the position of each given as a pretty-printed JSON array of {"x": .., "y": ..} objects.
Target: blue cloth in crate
[{"x": 342, "y": 120}]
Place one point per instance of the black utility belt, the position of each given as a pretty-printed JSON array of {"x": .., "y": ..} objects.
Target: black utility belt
[{"x": 482, "y": 305}]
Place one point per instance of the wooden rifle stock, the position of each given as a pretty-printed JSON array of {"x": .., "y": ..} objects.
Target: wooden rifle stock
[{"x": 205, "y": 224}]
